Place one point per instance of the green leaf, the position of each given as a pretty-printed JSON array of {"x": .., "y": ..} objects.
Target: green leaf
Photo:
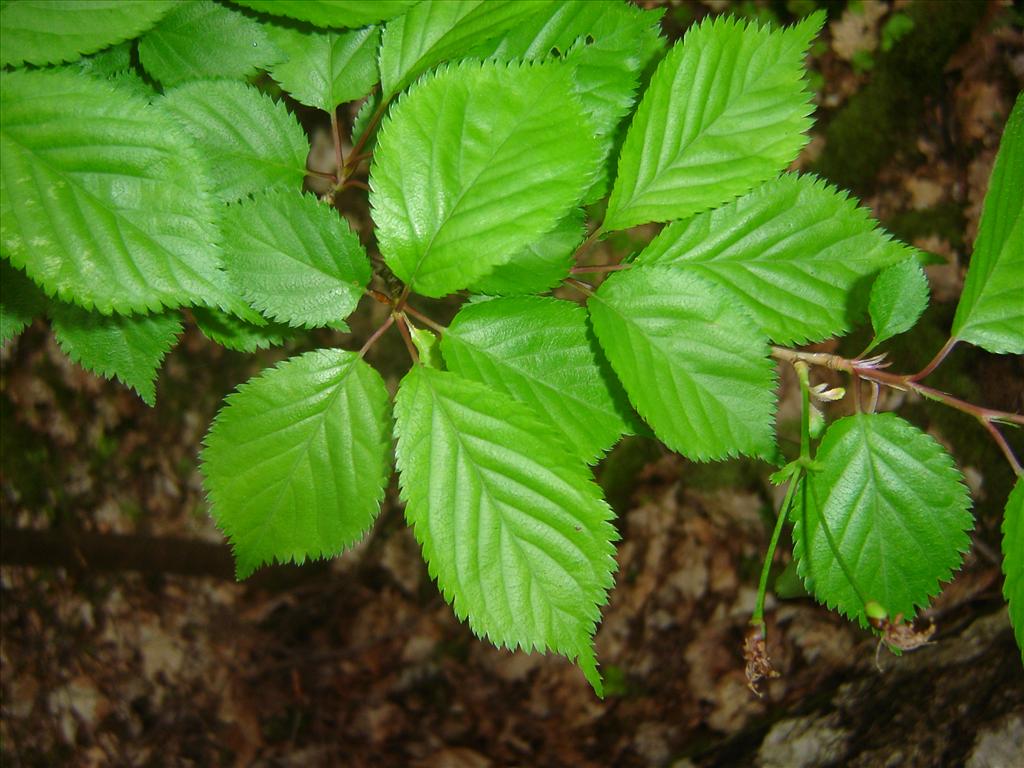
[
  {"x": 249, "y": 141},
  {"x": 202, "y": 40},
  {"x": 512, "y": 527},
  {"x": 540, "y": 351},
  {"x": 540, "y": 266},
  {"x": 796, "y": 253},
  {"x": 991, "y": 309},
  {"x": 332, "y": 13},
  {"x": 694, "y": 365},
  {"x": 509, "y": 155},
  {"x": 1013, "y": 560},
  {"x": 103, "y": 201},
  {"x": 896, "y": 508},
  {"x": 325, "y": 69},
  {"x": 296, "y": 462},
  {"x": 898, "y": 297},
  {"x": 51, "y": 31},
  {"x": 294, "y": 258},
  {"x": 426, "y": 343},
  {"x": 128, "y": 347},
  {"x": 233, "y": 333},
  {"x": 606, "y": 43},
  {"x": 726, "y": 110},
  {"x": 438, "y": 30},
  {"x": 21, "y": 301}
]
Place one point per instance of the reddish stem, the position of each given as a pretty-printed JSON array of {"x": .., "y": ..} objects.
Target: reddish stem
[
  {"x": 376, "y": 335},
  {"x": 599, "y": 268},
  {"x": 403, "y": 328},
  {"x": 424, "y": 319},
  {"x": 935, "y": 362}
]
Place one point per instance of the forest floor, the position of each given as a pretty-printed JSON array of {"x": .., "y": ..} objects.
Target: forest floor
[{"x": 359, "y": 662}]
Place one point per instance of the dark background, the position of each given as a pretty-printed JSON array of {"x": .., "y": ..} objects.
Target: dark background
[{"x": 125, "y": 642}]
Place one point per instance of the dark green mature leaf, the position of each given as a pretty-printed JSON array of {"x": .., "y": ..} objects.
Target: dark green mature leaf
[
  {"x": 726, "y": 110},
  {"x": 294, "y": 259},
  {"x": 896, "y": 508},
  {"x": 541, "y": 352},
  {"x": 509, "y": 154},
  {"x": 694, "y": 365},
  {"x": 103, "y": 201},
  {"x": 296, "y": 462},
  {"x": 127, "y": 347},
  {"x": 240, "y": 335},
  {"x": 540, "y": 266},
  {"x": 332, "y": 13},
  {"x": 21, "y": 301},
  {"x": 51, "y": 31},
  {"x": 202, "y": 40},
  {"x": 438, "y": 30},
  {"x": 512, "y": 527},
  {"x": 325, "y": 69},
  {"x": 249, "y": 141},
  {"x": 796, "y": 253},
  {"x": 1013, "y": 560},
  {"x": 991, "y": 309},
  {"x": 898, "y": 297}
]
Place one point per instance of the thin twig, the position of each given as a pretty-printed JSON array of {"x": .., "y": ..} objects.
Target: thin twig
[
  {"x": 599, "y": 268},
  {"x": 339, "y": 158},
  {"x": 1004, "y": 447},
  {"x": 370, "y": 126},
  {"x": 376, "y": 335},
  {"x": 424, "y": 319},
  {"x": 585, "y": 245},
  {"x": 354, "y": 183},
  {"x": 580, "y": 286},
  {"x": 935, "y": 361},
  {"x": 403, "y": 328}
]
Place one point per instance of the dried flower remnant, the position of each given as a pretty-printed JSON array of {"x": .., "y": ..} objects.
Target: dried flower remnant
[{"x": 755, "y": 651}]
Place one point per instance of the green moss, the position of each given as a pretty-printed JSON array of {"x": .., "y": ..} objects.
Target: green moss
[{"x": 946, "y": 221}]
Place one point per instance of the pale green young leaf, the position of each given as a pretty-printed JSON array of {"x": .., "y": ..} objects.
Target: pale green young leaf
[
  {"x": 991, "y": 309},
  {"x": 540, "y": 266},
  {"x": 1013, "y": 559},
  {"x": 202, "y": 40},
  {"x": 296, "y": 462},
  {"x": 103, "y": 200},
  {"x": 52, "y": 31},
  {"x": 541, "y": 351},
  {"x": 237, "y": 334},
  {"x": 726, "y": 109},
  {"x": 21, "y": 301},
  {"x": 294, "y": 259},
  {"x": 332, "y": 13},
  {"x": 898, "y": 297},
  {"x": 427, "y": 346},
  {"x": 249, "y": 141},
  {"x": 696, "y": 368},
  {"x": 129, "y": 348},
  {"x": 796, "y": 253},
  {"x": 474, "y": 164},
  {"x": 325, "y": 69},
  {"x": 896, "y": 509},
  {"x": 434, "y": 31},
  {"x": 512, "y": 526}
]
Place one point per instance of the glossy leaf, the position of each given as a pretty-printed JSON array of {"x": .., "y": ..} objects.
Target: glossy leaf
[
  {"x": 897, "y": 511},
  {"x": 296, "y": 462},
  {"x": 1013, "y": 560},
  {"x": 103, "y": 201},
  {"x": 129, "y": 348},
  {"x": 991, "y": 309},
  {"x": 51, "y": 31},
  {"x": 202, "y": 40},
  {"x": 541, "y": 352},
  {"x": 796, "y": 253},
  {"x": 540, "y": 266},
  {"x": 332, "y": 13},
  {"x": 726, "y": 110},
  {"x": 325, "y": 69},
  {"x": 898, "y": 297},
  {"x": 694, "y": 365},
  {"x": 249, "y": 141},
  {"x": 294, "y": 259},
  {"x": 434, "y": 31},
  {"x": 237, "y": 334},
  {"x": 21, "y": 301},
  {"x": 512, "y": 527},
  {"x": 509, "y": 156}
]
